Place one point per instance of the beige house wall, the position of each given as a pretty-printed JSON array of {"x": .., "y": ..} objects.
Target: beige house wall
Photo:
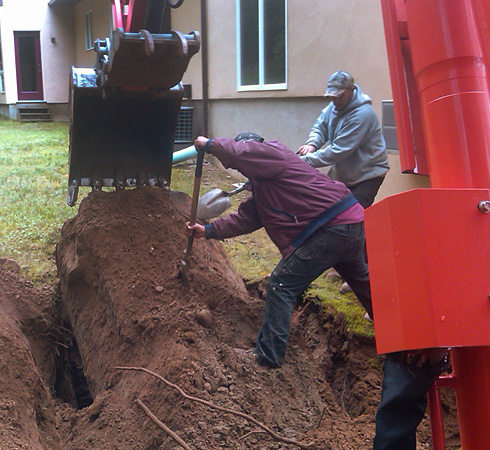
[
  {"x": 185, "y": 19},
  {"x": 396, "y": 181},
  {"x": 102, "y": 23},
  {"x": 58, "y": 50},
  {"x": 323, "y": 37},
  {"x": 57, "y": 46}
]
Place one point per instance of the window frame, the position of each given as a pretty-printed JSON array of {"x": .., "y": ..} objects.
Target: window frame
[
  {"x": 261, "y": 86},
  {"x": 89, "y": 31},
  {"x": 2, "y": 75}
]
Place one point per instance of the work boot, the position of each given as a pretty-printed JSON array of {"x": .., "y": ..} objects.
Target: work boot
[
  {"x": 345, "y": 288},
  {"x": 250, "y": 356}
]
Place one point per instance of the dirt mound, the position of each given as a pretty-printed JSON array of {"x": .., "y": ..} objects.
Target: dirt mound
[{"x": 122, "y": 303}]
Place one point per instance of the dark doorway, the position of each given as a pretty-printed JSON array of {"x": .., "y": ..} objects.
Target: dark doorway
[{"x": 28, "y": 65}]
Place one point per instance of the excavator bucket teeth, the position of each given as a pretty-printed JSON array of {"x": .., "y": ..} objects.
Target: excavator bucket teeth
[
  {"x": 156, "y": 61},
  {"x": 124, "y": 113}
]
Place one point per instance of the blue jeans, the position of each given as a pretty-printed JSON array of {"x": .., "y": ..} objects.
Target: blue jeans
[
  {"x": 365, "y": 192},
  {"x": 403, "y": 402},
  {"x": 341, "y": 247}
]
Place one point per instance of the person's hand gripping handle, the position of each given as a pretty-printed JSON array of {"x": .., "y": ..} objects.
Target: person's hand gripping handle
[{"x": 192, "y": 220}]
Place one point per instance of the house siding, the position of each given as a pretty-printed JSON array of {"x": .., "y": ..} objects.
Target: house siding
[{"x": 101, "y": 16}]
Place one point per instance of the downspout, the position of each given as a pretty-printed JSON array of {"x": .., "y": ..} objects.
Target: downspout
[{"x": 204, "y": 63}]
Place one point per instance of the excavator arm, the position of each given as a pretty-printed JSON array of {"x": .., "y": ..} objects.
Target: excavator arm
[{"x": 124, "y": 111}]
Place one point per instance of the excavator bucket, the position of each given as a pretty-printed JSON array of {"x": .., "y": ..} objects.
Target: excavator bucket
[{"x": 124, "y": 112}]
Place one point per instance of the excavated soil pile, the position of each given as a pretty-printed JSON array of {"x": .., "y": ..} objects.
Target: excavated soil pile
[{"x": 76, "y": 366}]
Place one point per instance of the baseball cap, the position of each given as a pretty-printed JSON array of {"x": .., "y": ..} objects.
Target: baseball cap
[
  {"x": 247, "y": 135},
  {"x": 338, "y": 83}
]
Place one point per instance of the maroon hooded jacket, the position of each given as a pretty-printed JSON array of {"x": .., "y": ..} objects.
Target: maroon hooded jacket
[{"x": 287, "y": 193}]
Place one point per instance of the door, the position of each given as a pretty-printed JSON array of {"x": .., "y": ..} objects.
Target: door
[{"x": 28, "y": 65}]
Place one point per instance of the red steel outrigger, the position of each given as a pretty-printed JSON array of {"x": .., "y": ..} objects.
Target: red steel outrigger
[{"x": 431, "y": 279}]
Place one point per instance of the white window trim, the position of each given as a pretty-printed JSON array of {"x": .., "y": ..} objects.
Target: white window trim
[
  {"x": 261, "y": 86},
  {"x": 89, "y": 29},
  {"x": 2, "y": 74}
]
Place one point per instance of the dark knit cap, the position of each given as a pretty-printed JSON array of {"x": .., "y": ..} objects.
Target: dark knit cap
[{"x": 247, "y": 136}]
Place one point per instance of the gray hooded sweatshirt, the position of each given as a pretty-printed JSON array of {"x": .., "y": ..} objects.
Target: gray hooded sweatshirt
[{"x": 356, "y": 149}]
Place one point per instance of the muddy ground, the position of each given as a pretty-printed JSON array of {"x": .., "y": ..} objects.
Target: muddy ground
[{"x": 123, "y": 352}]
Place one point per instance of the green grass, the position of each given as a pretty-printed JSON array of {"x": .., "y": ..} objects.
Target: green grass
[
  {"x": 33, "y": 172},
  {"x": 33, "y": 188},
  {"x": 328, "y": 293}
]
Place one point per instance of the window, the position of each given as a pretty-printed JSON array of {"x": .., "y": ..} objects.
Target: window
[
  {"x": 261, "y": 41},
  {"x": 89, "y": 42},
  {"x": 2, "y": 85}
]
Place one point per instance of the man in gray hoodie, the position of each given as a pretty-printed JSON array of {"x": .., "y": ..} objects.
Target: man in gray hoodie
[{"x": 355, "y": 148}]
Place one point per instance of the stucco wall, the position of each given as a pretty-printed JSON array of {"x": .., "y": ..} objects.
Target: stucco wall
[
  {"x": 396, "y": 181},
  {"x": 323, "y": 36},
  {"x": 287, "y": 120},
  {"x": 101, "y": 16},
  {"x": 328, "y": 35},
  {"x": 57, "y": 45},
  {"x": 58, "y": 52},
  {"x": 185, "y": 19}
]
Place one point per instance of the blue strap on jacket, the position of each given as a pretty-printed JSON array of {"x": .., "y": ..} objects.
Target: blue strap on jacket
[{"x": 327, "y": 215}]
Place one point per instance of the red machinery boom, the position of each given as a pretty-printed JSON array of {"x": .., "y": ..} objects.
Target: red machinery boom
[{"x": 431, "y": 279}]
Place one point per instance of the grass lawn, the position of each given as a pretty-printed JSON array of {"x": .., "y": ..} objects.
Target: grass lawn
[
  {"x": 33, "y": 173},
  {"x": 33, "y": 188}
]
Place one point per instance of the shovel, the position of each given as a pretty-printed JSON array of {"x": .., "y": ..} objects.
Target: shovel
[
  {"x": 216, "y": 202},
  {"x": 184, "y": 262}
]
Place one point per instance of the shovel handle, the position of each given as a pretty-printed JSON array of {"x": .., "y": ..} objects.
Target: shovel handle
[
  {"x": 197, "y": 185},
  {"x": 195, "y": 198}
]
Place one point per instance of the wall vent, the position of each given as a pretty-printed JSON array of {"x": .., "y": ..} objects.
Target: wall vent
[
  {"x": 184, "y": 134},
  {"x": 388, "y": 126}
]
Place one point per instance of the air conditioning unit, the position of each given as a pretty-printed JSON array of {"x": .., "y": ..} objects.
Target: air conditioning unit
[{"x": 184, "y": 134}]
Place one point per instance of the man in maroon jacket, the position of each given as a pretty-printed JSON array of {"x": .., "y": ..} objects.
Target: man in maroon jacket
[{"x": 314, "y": 221}]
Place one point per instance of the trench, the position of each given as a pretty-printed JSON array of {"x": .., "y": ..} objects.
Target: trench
[{"x": 70, "y": 384}]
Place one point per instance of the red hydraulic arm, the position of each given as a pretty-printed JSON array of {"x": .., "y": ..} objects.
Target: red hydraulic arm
[
  {"x": 134, "y": 15},
  {"x": 429, "y": 248}
]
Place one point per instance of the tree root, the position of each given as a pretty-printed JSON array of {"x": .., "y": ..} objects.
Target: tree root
[
  {"x": 245, "y": 436},
  {"x": 219, "y": 408},
  {"x": 164, "y": 427}
]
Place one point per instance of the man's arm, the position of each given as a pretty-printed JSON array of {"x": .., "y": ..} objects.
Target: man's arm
[
  {"x": 318, "y": 135},
  {"x": 244, "y": 221},
  {"x": 349, "y": 138},
  {"x": 252, "y": 159}
]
